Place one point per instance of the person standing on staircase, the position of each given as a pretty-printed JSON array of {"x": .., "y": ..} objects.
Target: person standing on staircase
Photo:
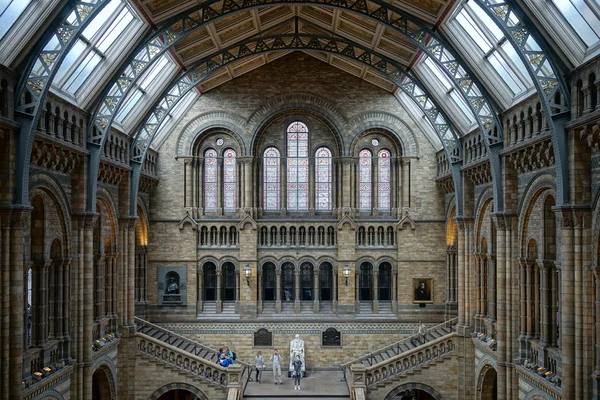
[
  {"x": 277, "y": 359},
  {"x": 260, "y": 365},
  {"x": 421, "y": 332}
]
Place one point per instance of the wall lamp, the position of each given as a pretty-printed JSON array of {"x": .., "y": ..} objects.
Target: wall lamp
[
  {"x": 247, "y": 273},
  {"x": 346, "y": 271}
]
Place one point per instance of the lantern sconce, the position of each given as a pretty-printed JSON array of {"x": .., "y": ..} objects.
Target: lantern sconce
[
  {"x": 247, "y": 273},
  {"x": 346, "y": 271}
]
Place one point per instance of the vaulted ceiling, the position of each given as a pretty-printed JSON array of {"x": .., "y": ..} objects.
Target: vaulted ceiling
[{"x": 306, "y": 19}]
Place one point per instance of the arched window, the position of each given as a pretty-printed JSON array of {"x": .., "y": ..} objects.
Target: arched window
[
  {"x": 229, "y": 180},
  {"x": 297, "y": 167},
  {"x": 269, "y": 282},
  {"x": 323, "y": 179},
  {"x": 384, "y": 181},
  {"x": 365, "y": 179},
  {"x": 210, "y": 180},
  {"x": 271, "y": 179},
  {"x": 210, "y": 282}
]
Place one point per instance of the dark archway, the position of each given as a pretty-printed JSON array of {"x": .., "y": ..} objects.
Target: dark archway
[
  {"x": 229, "y": 282},
  {"x": 101, "y": 387},
  {"x": 414, "y": 391},
  {"x": 210, "y": 282},
  {"x": 269, "y": 282},
  {"x": 178, "y": 394},
  {"x": 489, "y": 385},
  {"x": 365, "y": 282}
]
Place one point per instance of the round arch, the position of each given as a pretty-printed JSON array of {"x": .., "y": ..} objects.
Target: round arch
[
  {"x": 103, "y": 384},
  {"x": 414, "y": 386},
  {"x": 487, "y": 383},
  {"x": 178, "y": 386}
]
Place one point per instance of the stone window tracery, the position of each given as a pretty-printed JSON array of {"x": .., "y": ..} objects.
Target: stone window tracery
[
  {"x": 271, "y": 179},
  {"x": 229, "y": 180},
  {"x": 323, "y": 168},
  {"x": 385, "y": 180},
  {"x": 210, "y": 180},
  {"x": 297, "y": 166},
  {"x": 365, "y": 180}
]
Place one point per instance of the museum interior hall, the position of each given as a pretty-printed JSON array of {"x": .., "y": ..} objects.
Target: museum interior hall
[{"x": 383, "y": 199}]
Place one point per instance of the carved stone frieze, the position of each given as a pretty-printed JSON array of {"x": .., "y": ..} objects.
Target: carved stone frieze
[
  {"x": 147, "y": 184},
  {"x": 111, "y": 174},
  {"x": 479, "y": 174},
  {"x": 446, "y": 184},
  {"x": 591, "y": 136},
  {"x": 53, "y": 156},
  {"x": 538, "y": 155}
]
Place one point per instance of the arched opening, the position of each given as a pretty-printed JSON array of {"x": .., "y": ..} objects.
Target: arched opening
[
  {"x": 229, "y": 282},
  {"x": 101, "y": 387},
  {"x": 326, "y": 281},
  {"x": 413, "y": 394},
  {"x": 489, "y": 385},
  {"x": 306, "y": 281},
  {"x": 365, "y": 282},
  {"x": 385, "y": 282},
  {"x": 178, "y": 394},
  {"x": 287, "y": 282},
  {"x": 210, "y": 282},
  {"x": 269, "y": 282}
]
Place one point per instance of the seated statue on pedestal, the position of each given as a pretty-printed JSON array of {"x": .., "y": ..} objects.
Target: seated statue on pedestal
[{"x": 297, "y": 349}]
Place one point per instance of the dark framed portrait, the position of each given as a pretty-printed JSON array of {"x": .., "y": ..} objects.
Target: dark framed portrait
[{"x": 422, "y": 290}]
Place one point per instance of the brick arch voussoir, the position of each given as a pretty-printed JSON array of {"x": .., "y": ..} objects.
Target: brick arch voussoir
[
  {"x": 48, "y": 184},
  {"x": 105, "y": 197},
  {"x": 482, "y": 369},
  {"x": 178, "y": 386},
  {"x": 411, "y": 386},
  {"x": 538, "y": 185},
  {"x": 485, "y": 200},
  {"x": 208, "y": 121},
  {"x": 107, "y": 366},
  {"x": 387, "y": 122},
  {"x": 307, "y": 102}
]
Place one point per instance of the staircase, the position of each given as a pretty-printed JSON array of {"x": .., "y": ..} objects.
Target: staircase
[
  {"x": 409, "y": 356},
  {"x": 209, "y": 310},
  {"x": 191, "y": 358}
]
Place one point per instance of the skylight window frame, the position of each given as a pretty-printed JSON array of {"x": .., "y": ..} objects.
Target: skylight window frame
[
  {"x": 110, "y": 59},
  {"x": 481, "y": 60},
  {"x": 463, "y": 118},
  {"x": 150, "y": 93},
  {"x": 561, "y": 31},
  {"x": 24, "y": 30},
  {"x": 175, "y": 118}
]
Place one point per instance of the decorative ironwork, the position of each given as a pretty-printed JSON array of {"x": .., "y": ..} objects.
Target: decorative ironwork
[
  {"x": 547, "y": 77},
  {"x": 263, "y": 337},
  {"x": 331, "y": 338},
  {"x": 33, "y": 88},
  {"x": 209, "y": 65}
]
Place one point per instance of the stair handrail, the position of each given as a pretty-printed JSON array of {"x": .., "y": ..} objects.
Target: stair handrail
[
  {"x": 370, "y": 357},
  {"x": 380, "y": 372},
  {"x": 246, "y": 367}
]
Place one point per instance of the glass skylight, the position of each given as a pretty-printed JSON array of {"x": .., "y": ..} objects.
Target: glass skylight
[
  {"x": 582, "y": 18},
  {"x": 94, "y": 46},
  {"x": 494, "y": 47},
  {"x": 10, "y": 11}
]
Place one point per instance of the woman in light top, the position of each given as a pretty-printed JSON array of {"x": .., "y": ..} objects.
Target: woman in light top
[{"x": 260, "y": 365}]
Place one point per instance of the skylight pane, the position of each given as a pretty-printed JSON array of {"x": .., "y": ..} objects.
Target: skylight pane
[
  {"x": 158, "y": 67},
  {"x": 505, "y": 72},
  {"x": 462, "y": 105},
  {"x": 100, "y": 19},
  {"x": 509, "y": 50},
  {"x": 129, "y": 104},
  {"x": 583, "y": 21},
  {"x": 117, "y": 27},
  {"x": 433, "y": 67},
  {"x": 72, "y": 56},
  {"x": 467, "y": 23},
  {"x": 82, "y": 72},
  {"x": 487, "y": 21},
  {"x": 10, "y": 11}
]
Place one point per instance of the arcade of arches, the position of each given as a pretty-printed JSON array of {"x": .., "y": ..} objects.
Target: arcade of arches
[{"x": 160, "y": 171}]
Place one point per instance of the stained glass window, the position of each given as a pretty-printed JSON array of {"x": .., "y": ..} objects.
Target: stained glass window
[
  {"x": 210, "y": 180},
  {"x": 384, "y": 182},
  {"x": 297, "y": 166},
  {"x": 323, "y": 179},
  {"x": 229, "y": 180},
  {"x": 271, "y": 179},
  {"x": 365, "y": 179}
]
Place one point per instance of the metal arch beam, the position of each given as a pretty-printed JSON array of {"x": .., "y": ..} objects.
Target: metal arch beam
[
  {"x": 547, "y": 77},
  {"x": 33, "y": 88},
  {"x": 414, "y": 30},
  {"x": 206, "y": 67}
]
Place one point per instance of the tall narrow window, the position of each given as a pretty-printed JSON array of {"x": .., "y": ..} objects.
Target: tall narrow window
[
  {"x": 297, "y": 166},
  {"x": 271, "y": 179},
  {"x": 364, "y": 186},
  {"x": 323, "y": 179},
  {"x": 384, "y": 182},
  {"x": 229, "y": 180},
  {"x": 210, "y": 180}
]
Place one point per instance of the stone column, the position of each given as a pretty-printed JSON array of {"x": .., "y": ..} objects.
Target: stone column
[
  {"x": 578, "y": 274},
  {"x": 536, "y": 300},
  {"x": 492, "y": 287},
  {"x": 316, "y": 294},
  {"x": 587, "y": 99},
  {"x": 545, "y": 300},
  {"x": 406, "y": 184},
  {"x": 596, "y": 374},
  {"x": 200, "y": 289},
  {"x": 567, "y": 322},
  {"x": 248, "y": 184},
  {"x": 376, "y": 289},
  {"x": 58, "y": 306},
  {"x": 357, "y": 290},
  {"x": 219, "y": 304},
  {"x": 259, "y": 279},
  {"x": 554, "y": 293},
  {"x": 529, "y": 298},
  {"x": 334, "y": 289},
  {"x": 479, "y": 291},
  {"x": 502, "y": 278},
  {"x": 278, "y": 288},
  {"x": 395, "y": 289},
  {"x": 67, "y": 298},
  {"x": 297, "y": 289},
  {"x": 237, "y": 288}
]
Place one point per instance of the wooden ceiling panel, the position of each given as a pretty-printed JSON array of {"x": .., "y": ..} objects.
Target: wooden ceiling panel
[
  {"x": 273, "y": 15},
  {"x": 237, "y": 32},
  {"x": 347, "y": 66},
  {"x": 247, "y": 65},
  {"x": 197, "y": 51},
  {"x": 317, "y": 14}
]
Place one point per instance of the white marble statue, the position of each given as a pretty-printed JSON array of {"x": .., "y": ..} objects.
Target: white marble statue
[{"x": 297, "y": 349}]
